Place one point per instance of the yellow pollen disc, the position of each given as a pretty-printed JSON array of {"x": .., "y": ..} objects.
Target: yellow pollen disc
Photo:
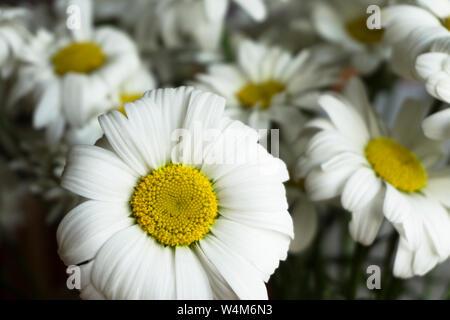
[
  {"x": 357, "y": 28},
  {"x": 447, "y": 23},
  {"x": 124, "y": 98},
  {"x": 81, "y": 57},
  {"x": 396, "y": 164},
  {"x": 175, "y": 204},
  {"x": 262, "y": 93}
]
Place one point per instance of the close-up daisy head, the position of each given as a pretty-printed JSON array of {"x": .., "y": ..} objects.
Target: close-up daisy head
[
  {"x": 166, "y": 216},
  {"x": 380, "y": 173},
  {"x": 68, "y": 76},
  {"x": 268, "y": 84},
  {"x": 344, "y": 23}
]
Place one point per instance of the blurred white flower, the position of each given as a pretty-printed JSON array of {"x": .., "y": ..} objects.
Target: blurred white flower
[
  {"x": 183, "y": 24},
  {"x": 269, "y": 84},
  {"x": 13, "y": 35},
  {"x": 69, "y": 77},
  {"x": 381, "y": 174},
  {"x": 344, "y": 23},
  {"x": 175, "y": 230},
  {"x": 130, "y": 90}
]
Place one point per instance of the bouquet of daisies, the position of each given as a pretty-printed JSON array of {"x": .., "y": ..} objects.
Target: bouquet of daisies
[{"x": 226, "y": 149}]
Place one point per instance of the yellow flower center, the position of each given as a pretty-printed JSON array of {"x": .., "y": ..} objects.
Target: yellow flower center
[
  {"x": 396, "y": 164},
  {"x": 175, "y": 204},
  {"x": 81, "y": 57},
  {"x": 357, "y": 28},
  {"x": 252, "y": 94},
  {"x": 124, "y": 98},
  {"x": 447, "y": 23}
]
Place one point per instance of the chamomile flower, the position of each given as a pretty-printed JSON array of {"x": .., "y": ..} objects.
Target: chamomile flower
[
  {"x": 130, "y": 90},
  {"x": 265, "y": 83},
  {"x": 13, "y": 35},
  {"x": 168, "y": 220},
  {"x": 344, "y": 24},
  {"x": 421, "y": 43},
  {"x": 378, "y": 174},
  {"x": 70, "y": 75}
]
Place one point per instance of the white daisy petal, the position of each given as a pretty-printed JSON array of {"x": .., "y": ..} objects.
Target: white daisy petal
[
  {"x": 263, "y": 249},
  {"x": 424, "y": 258},
  {"x": 403, "y": 261},
  {"x": 255, "y": 8},
  {"x": 438, "y": 186},
  {"x": 325, "y": 185},
  {"x": 216, "y": 9},
  {"x": 191, "y": 279},
  {"x": 240, "y": 275},
  {"x": 341, "y": 115},
  {"x": 87, "y": 227},
  {"x": 275, "y": 221},
  {"x": 219, "y": 286},
  {"x": 399, "y": 210},
  {"x": 367, "y": 221},
  {"x": 95, "y": 173},
  {"x": 360, "y": 189},
  {"x": 409, "y": 116},
  {"x": 122, "y": 139},
  {"x": 47, "y": 109},
  {"x": 125, "y": 267},
  {"x": 305, "y": 220},
  {"x": 437, "y": 126},
  {"x": 90, "y": 293}
]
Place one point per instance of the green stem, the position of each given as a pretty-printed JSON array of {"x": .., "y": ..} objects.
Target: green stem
[
  {"x": 359, "y": 254},
  {"x": 388, "y": 277},
  {"x": 446, "y": 295}
]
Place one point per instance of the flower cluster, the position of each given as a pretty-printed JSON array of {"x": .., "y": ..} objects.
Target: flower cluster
[{"x": 195, "y": 144}]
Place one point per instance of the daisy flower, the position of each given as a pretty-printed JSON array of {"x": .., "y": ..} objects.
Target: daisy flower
[
  {"x": 265, "y": 83},
  {"x": 130, "y": 90},
  {"x": 344, "y": 23},
  {"x": 13, "y": 35},
  {"x": 421, "y": 43},
  {"x": 69, "y": 75},
  {"x": 168, "y": 220},
  {"x": 380, "y": 174}
]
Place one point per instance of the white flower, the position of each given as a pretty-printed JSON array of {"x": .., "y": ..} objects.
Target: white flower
[
  {"x": 344, "y": 24},
  {"x": 268, "y": 83},
  {"x": 69, "y": 77},
  {"x": 421, "y": 43},
  {"x": 155, "y": 228},
  {"x": 130, "y": 90},
  {"x": 186, "y": 24},
  {"x": 378, "y": 174},
  {"x": 13, "y": 34}
]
